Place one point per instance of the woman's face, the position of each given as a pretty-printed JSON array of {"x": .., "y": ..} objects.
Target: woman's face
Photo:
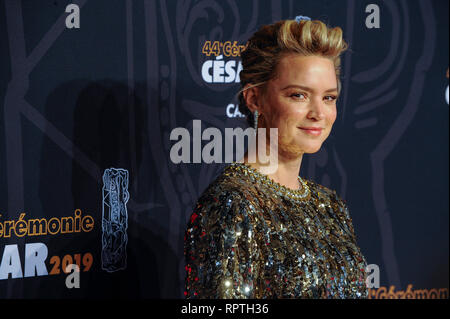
[{"x": 302, "y": 95}]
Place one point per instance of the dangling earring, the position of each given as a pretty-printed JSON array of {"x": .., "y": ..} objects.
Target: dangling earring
[{"x": 255, "y": 120}]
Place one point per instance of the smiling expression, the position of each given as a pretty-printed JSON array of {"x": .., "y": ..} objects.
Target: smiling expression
[{"x": 302, "y": 95}]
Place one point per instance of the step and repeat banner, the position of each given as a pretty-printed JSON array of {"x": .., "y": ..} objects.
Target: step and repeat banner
[{"x": 91, "y": 203}]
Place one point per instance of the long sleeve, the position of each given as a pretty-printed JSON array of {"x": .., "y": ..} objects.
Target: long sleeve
[
  {"x": 218, "y": 248},
  {"x": 360, "y": 278}
]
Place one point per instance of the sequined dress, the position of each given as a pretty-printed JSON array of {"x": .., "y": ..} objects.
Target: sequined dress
[{"x": 250, "y": 237}]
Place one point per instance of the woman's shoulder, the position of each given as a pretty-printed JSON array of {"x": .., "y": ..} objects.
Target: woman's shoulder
[
  {"x": 222, "y": 192},
  {"x": 224, "y": 198},
  {"x": 331, "y": 198},
  {"x": 225, "y": 186},
  {"x": 323, "y": 191}
]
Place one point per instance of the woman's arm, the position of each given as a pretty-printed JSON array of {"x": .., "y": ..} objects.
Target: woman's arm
[
  {"x": 218, "y": 251},
  {"x": 343, "y": 212}
]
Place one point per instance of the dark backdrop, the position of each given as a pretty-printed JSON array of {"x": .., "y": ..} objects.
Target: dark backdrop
[{"x": 77, "y": 101}]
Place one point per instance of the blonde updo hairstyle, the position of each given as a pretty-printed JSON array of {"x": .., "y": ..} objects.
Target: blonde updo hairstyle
[{"x": 271, "y": 43}]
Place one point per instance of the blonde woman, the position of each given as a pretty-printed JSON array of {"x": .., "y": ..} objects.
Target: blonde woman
[{"x": 277, "y": 235}]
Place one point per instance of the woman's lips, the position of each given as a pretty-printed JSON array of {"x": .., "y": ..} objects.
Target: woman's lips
[{"x": 312, "y": 131}]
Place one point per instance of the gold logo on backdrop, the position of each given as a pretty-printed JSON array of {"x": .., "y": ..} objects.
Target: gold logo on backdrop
[{"x": 409, "y": 293}]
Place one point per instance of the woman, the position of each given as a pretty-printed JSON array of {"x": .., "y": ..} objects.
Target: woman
[{"x": 257, "y": 235}]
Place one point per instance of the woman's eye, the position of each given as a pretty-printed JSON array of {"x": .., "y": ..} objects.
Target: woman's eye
[
  {"x": 302, "y": 96},
  {"x": 298, "y": 95},
  {"x": 332, "y": 97}
]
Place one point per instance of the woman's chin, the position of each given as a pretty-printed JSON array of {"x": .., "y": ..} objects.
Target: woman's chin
[
  {"x": 312, "y": 149},
  {"x": 297, "y": 150}
]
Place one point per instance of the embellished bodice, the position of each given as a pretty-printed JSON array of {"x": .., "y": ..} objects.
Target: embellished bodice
[{"x": 250, "y": 237}]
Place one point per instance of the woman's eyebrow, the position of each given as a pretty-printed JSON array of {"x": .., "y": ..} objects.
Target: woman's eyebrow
[{"x": 307, "y": 88}]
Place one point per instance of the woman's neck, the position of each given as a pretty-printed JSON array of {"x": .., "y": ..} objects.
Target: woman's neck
[{"x": 284, "y": 171}]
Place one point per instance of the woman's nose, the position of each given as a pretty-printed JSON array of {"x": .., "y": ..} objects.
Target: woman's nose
[{"x": 316, "y": 109}]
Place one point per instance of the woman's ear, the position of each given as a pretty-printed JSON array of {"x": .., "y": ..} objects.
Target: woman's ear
[{"x": 251, "y": 95}]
